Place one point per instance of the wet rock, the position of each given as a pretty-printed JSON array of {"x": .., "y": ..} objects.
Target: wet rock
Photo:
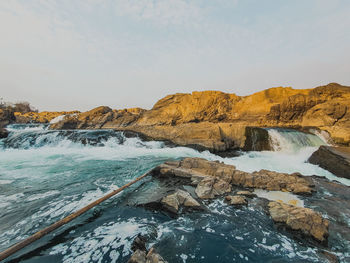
[
  {"x": 257, "y": 139},
  {"x": 236, "y": 200},
  {"x": 306, "y": 220},
  {"x": 139, "y": 243},
  {"x": 139, "y": 256},
  {"x": 246, "y": 193},
  {"x": 334, "y": 159},
  {"x": 3, "y": 133},
  {"x": 153, "y": 257},
  {"x": 174, "y": 201}
]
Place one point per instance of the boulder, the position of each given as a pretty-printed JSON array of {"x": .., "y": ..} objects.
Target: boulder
[
  {"x": 305, "y": 220},
  {"x": 180, "y": 198},
  {"x": 334, "y": 159},
  {"x": 236, "y": 200}
]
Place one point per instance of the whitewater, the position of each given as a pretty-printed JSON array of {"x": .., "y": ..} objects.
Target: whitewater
[{"x": 45, "y": 175}]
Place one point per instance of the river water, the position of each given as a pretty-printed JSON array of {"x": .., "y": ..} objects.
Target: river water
[{"x": 46, "y": 175}]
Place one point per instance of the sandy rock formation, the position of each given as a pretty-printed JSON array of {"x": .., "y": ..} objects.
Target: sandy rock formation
[
  {"x": 217, "y": 121},
  {"x": 215, "y": 178},
  {"x": 334, "y": 159},
  {"x": 301, "y": 219}
]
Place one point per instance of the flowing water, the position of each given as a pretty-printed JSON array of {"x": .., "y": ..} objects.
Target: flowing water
[{"x": 46, "y": 175}]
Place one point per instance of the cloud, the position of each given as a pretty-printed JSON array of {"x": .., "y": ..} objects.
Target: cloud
[{"x": 162, "y": 12}]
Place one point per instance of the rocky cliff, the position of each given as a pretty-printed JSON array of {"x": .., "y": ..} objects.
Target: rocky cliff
[{"x": 217, "y": 121}]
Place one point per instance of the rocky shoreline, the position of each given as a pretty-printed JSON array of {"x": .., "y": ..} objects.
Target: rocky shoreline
[{"x": 190, "y": 185}]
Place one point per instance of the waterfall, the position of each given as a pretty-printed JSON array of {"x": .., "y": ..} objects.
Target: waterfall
[{"x": 288, "y": 140}]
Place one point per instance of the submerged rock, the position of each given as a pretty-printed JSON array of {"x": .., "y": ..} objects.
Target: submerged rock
[
  {"x": 306, "y": 220},
  {"x": 334, "y": 159},
  {"x": 236, "y": 200}
]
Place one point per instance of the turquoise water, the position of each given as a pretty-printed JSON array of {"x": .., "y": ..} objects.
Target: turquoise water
[{"x": 46, "y": 175}]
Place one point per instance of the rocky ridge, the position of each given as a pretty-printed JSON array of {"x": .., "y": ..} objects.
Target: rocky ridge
[{"x": 217, "y": 121}]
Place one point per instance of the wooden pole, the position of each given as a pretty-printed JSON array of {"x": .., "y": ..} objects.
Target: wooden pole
[{"x": 11, "y": 250}]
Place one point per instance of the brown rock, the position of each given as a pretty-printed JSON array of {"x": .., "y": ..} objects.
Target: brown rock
[
  {"x": 219, "y": 122},
  {"x": 40, "y": 117},
  {"x": 334, "y": 159},
  {"x": 236, "y": 200},
  {"x": 246, "y": 193},
  {"x": 302, "y": 219},
  {"x": 139, "y": 256},
  {"x": 180, "y": 198}
]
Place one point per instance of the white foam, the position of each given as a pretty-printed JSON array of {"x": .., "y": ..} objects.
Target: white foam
[
  {"x": 57, "y": 119},
  {"x": 6, "y": 181},
  {"x": 41, "y": 196},
  {"x": 104, "y": 240}
]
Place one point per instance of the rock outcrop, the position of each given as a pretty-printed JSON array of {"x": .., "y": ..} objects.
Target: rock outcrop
[
  {"x": 215, "y": 178},
  {"x": 40, "y": 117},
  {"x": 301, "y": 219},
  {"x": 334, "y": 159},
  {"x": 218, "y": 121}
]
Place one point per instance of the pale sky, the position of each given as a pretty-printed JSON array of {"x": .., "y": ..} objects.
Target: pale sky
[{"x": 71, "y": 54}]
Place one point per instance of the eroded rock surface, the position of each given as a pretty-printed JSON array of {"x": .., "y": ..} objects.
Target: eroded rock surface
[
  {"x": 334, "y": 159},
  {"x": 218, "y": 121},
  {"x": 215, "y": 178},
  {"x": 301, "y": 219},
  {"x": 40, "y": 117}
]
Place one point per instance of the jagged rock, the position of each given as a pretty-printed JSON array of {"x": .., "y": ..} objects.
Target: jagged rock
[
  {"x": 302, "y": 219},
  {"x": 246, "y": 193},
  {"x": 236, "y": 200},
  {"x": 211, "y": 187},
  {"x": 180, "y": 198},
  {"x": 214, "y": 178},
  {"x": 334, "y": 159}
]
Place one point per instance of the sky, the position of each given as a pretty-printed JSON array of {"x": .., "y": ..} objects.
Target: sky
[{"x": 72, "y": 54}]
